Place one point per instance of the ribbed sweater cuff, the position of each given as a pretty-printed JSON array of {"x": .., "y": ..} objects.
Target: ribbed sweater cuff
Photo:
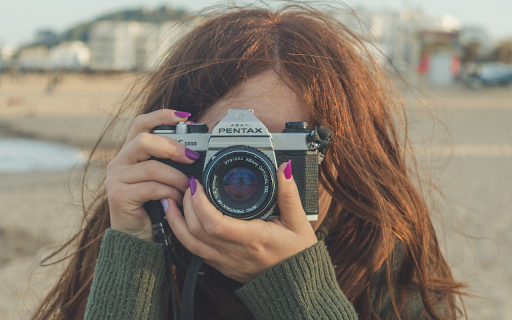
[
  {"x": 302, "y": 287},
  {"x": 129, "y": 280}
]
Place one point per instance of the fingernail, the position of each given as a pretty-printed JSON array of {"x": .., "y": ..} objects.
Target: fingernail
[
  {"x": 190, "y": 122},
  {"x": 182, "y": 114},
  {"x": 191, "y": 154},
  {"x": 165, "y": 204},
  {"x": 288, "y": 170},
  {"x": 192, "y": 185}
]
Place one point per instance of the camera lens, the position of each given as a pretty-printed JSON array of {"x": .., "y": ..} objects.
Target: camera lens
[{"x": 241, "y": 182}]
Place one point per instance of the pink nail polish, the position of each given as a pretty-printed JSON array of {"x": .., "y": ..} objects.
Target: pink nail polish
[
  {"x": 288, "y": 170},
  {"x": 165, "y": 204},
  {"x": 190, "y": 122},
  {"x": 192, "y": 185},
  {"x": 182, "y": 114}
]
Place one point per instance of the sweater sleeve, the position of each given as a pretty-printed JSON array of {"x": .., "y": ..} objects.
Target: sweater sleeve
[
  {"x": 302, "y": 287},
  {"x": 129, "y": 280}
]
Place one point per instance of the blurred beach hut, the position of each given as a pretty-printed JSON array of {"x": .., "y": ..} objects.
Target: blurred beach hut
[
  {"x": 73, "y": 55},
  {"x": 442, "y": 71},
  {"x": 33, "y": 58}
]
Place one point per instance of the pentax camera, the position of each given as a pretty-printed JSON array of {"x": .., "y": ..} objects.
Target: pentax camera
[{"x": 239, "y": 158}]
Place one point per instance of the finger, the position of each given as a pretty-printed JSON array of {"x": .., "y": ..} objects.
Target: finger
[
  {"x": 146, "y": 145},
  {"x": 180, "y": 228},
  {"x": 153, "y": 170},
  {"x": 210, "y": 224},
  {"x": 146, "y": 122},
  {"x": 291, "y": 215},
  {"x": 140, "y": 193}
]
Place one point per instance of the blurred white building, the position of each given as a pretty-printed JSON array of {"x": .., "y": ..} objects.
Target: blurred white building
[
  {"x": 69, "y": 56},
  {"x": 445, "y": 23},
  {"x": 6, "y": 56},
  {"x": 119, "y": 45},
  {"x": 33, "y": 58},
  {"x": 127, "y": 46},
  {"x": 393, "y": 33}
]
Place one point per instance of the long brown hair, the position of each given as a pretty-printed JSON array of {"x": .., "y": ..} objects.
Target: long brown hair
[{"x": 380, "y": 224}]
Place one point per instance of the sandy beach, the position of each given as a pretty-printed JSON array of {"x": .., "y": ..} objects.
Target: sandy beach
[{"x": 466, "y": 148}]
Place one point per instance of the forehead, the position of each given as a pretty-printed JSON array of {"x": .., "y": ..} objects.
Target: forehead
[{"x": 273, "y": 102}]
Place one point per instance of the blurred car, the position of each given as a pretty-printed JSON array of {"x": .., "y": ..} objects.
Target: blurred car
[{"x": 490, "y": 74}]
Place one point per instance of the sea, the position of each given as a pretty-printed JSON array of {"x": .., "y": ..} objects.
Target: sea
[{"x": 18, "y": 155}]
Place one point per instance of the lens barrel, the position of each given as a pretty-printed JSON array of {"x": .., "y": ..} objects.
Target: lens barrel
[{"x": 241, "y": 182}]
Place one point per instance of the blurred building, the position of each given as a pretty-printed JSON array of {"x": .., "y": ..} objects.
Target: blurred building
[
  {"x": 392, "y": 35},
  {"x": 119, "y": 45},
  {"x": 128, "y": 46},
  {"x": 73, "y": 55},
  {"x": 6, "y": 56},
  {"x": 33, "y": 58}
]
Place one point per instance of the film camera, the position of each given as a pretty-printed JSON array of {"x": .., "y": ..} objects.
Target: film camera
[{"x": 239, "y": 158}]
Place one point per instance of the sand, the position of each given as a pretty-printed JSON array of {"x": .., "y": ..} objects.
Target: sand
[{"x": 39, "y": 210}]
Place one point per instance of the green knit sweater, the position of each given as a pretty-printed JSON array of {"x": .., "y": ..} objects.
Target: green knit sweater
[{"x": 129, "y": 283}]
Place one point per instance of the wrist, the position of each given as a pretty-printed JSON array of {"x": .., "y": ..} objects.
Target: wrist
[{"x": 140, "y": 234}]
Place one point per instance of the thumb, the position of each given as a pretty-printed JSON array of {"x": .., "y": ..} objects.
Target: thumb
[{"x": 292, "y": 214}]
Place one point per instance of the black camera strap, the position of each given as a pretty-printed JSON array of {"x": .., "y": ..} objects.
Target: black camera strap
[
  {"x": 157, "y": 216},
  {"x": 187, "y": 299}
]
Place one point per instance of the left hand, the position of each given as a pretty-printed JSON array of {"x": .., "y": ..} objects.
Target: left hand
[{"x": 239, "y": 249}]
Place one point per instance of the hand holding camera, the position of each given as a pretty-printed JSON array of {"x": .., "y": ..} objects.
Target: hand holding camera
[
  {"x": 237, "y": 164},
  {"x": 132, "y": 179},
  {"x": 239, "y": 249}
]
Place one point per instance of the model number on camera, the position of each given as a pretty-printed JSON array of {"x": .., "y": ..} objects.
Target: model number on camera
[{"x": 188, "y": 143}]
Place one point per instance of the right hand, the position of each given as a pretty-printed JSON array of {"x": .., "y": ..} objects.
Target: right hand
[{"x": 133, "y": 180}]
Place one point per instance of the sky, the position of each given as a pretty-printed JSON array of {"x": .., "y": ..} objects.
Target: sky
[{"x": 19, "y": 19}]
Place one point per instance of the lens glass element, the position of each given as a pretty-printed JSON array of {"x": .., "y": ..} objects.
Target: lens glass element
[{"x": 240, "y": 184}]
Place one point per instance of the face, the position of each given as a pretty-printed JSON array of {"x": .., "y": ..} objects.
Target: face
[{"x": 273, "y": 102}]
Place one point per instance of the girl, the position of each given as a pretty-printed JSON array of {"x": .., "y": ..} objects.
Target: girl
[{"x": 373, "y": 253}]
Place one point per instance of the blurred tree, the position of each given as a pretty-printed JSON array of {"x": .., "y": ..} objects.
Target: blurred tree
[
  {"x": 502, "y": 52},
  {"x": 470, "y": 52},
  {"x": 162, "y": 14},
  {"x": 46, "y": 37}
]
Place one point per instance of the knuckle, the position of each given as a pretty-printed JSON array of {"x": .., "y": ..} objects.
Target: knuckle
[
  {"x": 293, "y": 195},
  {"x": 171, "y": 148},
  {"x": 114, "y": 193},
  {"x": 139, "y": 120},
  {"x": 153, "y": 187},
  {"x": 196, "y": 229},
  {"x": 194, "y": 247},
  {"x": 110, "y": 167},
  {"x": 109, "y": 183},
  {"x": 255, "y": 246},
  {"x": 150, "y": 168},
  {"x": 215, "y": 229},
  {"x": 142, "y": 138},
  {"x": 205, "y": 254}
]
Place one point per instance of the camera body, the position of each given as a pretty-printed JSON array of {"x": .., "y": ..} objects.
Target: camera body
[{"x": 238, "y": 161}]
